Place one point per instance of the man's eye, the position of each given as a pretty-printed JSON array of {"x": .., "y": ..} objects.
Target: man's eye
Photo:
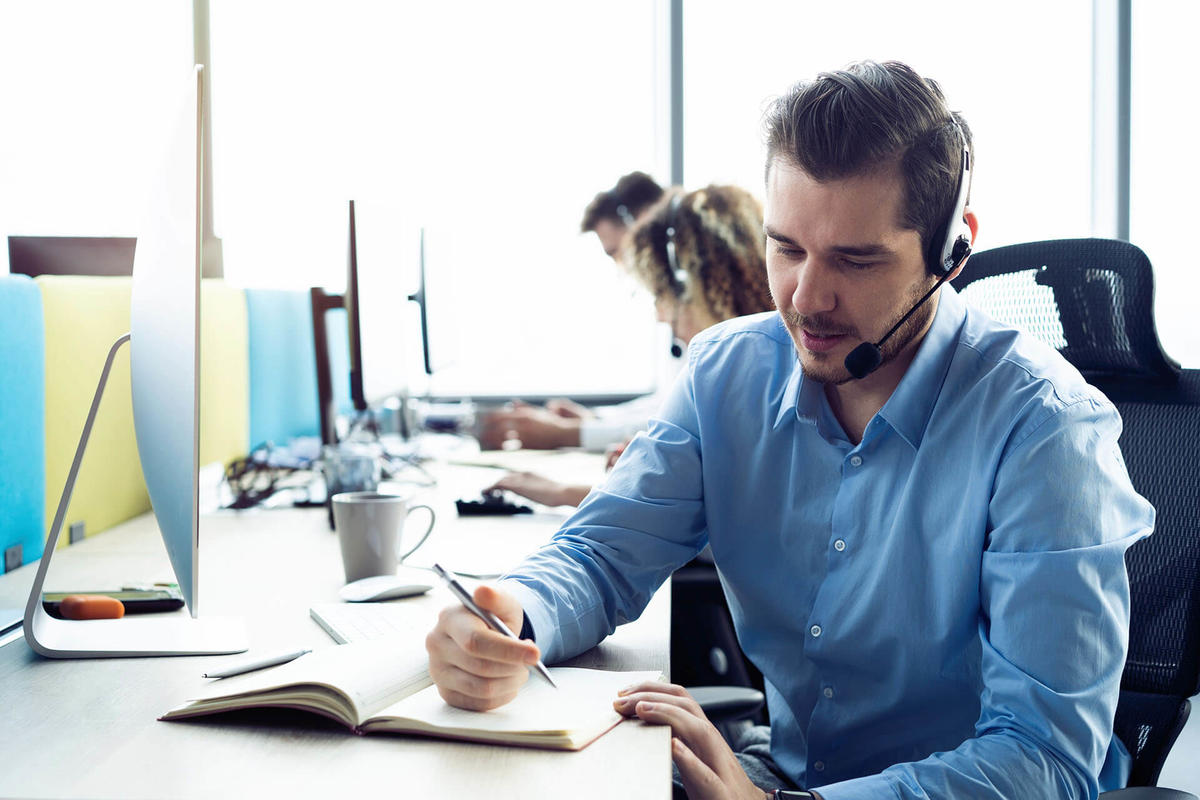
[
  {"x": 788, "y": 252},
  {"x": 858, "y": 265}
]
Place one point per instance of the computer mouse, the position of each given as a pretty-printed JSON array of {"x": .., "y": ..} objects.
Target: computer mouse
[{"x": 385, "y": 587}]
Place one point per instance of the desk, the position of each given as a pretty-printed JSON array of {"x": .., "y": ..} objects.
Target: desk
[{"x": 88, "y": 727}]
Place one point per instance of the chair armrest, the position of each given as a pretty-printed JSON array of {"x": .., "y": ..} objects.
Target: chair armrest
[
  {"x": 1147, "y": 793},
  {"x": 728, "y": 703}
]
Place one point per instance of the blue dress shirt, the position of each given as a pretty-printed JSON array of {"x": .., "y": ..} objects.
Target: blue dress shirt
[{"x": 940, "y": 611}]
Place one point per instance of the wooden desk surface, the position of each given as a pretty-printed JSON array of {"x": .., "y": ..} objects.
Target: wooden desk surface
[{"x": 88, "y": 728}]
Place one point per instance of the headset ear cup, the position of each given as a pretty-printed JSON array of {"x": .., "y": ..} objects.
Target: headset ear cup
[
  {"x": 933, "y": 252},
  {"x": 962, "y": 249}
]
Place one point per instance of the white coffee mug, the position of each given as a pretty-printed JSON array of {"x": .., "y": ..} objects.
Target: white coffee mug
[{"x": 369, "y": 528}]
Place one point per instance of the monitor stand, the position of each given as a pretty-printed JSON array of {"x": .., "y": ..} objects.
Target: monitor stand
[{"x": 130, "y": 636}]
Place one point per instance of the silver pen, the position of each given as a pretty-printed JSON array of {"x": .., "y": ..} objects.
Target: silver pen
[
  {"x": 491, "y": 619},
  {"x": 253, "y": 665}
]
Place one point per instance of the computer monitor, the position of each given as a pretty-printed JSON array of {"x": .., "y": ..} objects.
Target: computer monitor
[
  {"x": 374, "y": 336},
  {"x": 419, "y": 297},
  {"x": 351, "y": 302},
  {"x": 71, "y": 255},
  {"x": 165, "y": 380},
  {"x": 376, "y": 290}
]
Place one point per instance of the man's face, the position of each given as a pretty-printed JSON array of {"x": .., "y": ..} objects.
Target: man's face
[
  {"x": 610, "y": 235},
  {"x": 841, "y": 269}
]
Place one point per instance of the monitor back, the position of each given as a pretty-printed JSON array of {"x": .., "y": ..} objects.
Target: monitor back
[{"x": 165, "y": 342}]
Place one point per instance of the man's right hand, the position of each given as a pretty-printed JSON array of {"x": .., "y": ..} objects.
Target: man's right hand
[{"x": 475, "y": 667}]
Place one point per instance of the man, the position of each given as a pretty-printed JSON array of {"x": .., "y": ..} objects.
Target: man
[
  {"x": 927, "y": 564},
  {"x": 562, "y": 423},
  {"x": 613, "y": 212}
]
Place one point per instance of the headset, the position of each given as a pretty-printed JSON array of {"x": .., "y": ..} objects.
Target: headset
[
  {"x": 954, "y": 235},
  {"x": 948, "y": 248},
  {"x": 679, "y": 277}
]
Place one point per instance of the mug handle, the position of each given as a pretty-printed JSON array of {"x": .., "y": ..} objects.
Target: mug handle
[{"x": 429, "y": 530}]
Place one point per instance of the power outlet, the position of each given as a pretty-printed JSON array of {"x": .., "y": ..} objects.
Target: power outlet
[
  {"x": 76, "y": 532},
  {"x": 12, "y": 558}
]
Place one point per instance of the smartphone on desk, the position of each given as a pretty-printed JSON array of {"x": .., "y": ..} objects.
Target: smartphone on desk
[{"x": 136, "y": 601}]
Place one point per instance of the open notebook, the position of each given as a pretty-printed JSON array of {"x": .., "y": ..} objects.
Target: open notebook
[{"x": 383, "y": 686}]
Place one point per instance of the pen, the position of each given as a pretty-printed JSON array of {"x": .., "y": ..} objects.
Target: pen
[
  {"x": 491, "y": 619},
  {"x": 253, "y": 665}
]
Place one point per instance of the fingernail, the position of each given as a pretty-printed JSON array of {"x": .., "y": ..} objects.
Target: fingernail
[
  {"x": 627, "y": 689},
  {"x": 645, "y": 706}
]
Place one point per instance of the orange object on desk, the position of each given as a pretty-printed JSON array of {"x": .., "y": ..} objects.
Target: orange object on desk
[{"x": 91, "y": 606}]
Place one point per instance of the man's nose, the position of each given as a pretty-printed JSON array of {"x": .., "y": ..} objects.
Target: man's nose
[{"x": 814, "y": 292}]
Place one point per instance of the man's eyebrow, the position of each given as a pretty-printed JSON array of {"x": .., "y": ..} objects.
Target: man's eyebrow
[
  {"x": 857, "y": 250},
  {"x": 864, "y": 251},
  {"x": 771, "y": 233}
]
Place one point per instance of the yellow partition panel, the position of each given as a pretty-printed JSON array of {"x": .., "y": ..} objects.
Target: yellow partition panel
[
  {"x": 83, "y": 317},
  {"x": 224, "y": 373}
]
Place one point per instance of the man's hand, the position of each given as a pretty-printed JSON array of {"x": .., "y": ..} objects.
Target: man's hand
[
  {"x": 540, "y": 489},
  {"x": 534, "y": 427},
  {"x": 569, "y": 409},
  {"x": 709, "y": 769},
  {"x": 473, "y": 666}
]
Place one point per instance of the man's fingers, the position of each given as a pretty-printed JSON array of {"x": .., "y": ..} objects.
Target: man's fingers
[
  {"x": 655, "y": 686},
  {"x": 627, "y": 704},
  {"x": 696, "y": 732},
  {"x": 452, "y": 655},
  {"x": 502, "y": 604},
  {"x": 463, "y": 690},
  {"x": 480, "y": 641},
  {"x": 700, "y": 782}
]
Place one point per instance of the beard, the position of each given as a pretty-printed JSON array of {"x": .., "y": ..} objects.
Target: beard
[{"x": 830, "y": 368}]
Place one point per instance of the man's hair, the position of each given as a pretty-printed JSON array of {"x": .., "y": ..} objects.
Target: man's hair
[
  {"x": 870, "y": 117},
  {"x": 634, "y": 193},
  {"x": 718, "y": 247}
]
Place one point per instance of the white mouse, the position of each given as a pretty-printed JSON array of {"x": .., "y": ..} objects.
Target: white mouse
[{"x": 386, "y": 587}]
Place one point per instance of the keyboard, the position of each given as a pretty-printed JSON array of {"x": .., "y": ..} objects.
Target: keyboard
[{"x": 357, "y": 622}]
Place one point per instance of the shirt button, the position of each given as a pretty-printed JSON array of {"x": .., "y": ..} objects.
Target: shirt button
[
  {"x": 856, "y": 461},
  {"x": 828, "y": 692},
  {"x": 839, "y": 545},
  {"x": 819, "y": 766},
  {"x": 815, "y": 630}
]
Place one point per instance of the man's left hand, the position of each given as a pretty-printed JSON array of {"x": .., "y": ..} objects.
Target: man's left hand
[{"x": 708, "y": 767}]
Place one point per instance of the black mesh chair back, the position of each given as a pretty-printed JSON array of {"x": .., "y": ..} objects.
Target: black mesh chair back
[{"x": 1093, "y": 300}]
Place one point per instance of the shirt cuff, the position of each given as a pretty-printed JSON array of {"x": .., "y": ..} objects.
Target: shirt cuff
[
  {"x": 597, "y": 434},
  {"x": 868, "y": 787},
  {"x": 538, "y": 624}
]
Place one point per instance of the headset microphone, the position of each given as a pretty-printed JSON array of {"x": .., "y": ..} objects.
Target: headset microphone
[
  {"x": 955, "y": 247},
  {"x": 866, "y": 358},
  {"x": 677, "y": 348}
]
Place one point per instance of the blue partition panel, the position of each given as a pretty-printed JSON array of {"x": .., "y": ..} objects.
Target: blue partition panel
[
  {"x": 22, "y": 418},
  {"x": 283, "y": 372}
]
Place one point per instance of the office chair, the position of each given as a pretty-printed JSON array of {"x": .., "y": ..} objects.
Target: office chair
[
  {"x": 705, "y": 654},
  {"x": 1093, "y": 299}
]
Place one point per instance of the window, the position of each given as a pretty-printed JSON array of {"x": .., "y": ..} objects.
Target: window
[
  {"x": 88, "y": 90},
  {"x": 1019, "y": 72},
  {"x": 1163, "y": 168},
  {"x": 489, "y": 125}
]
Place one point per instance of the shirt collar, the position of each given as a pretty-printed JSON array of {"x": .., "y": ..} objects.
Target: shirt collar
[
  {"x": 909, "y": 407},
  {"x": 911, "y": 404}
]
